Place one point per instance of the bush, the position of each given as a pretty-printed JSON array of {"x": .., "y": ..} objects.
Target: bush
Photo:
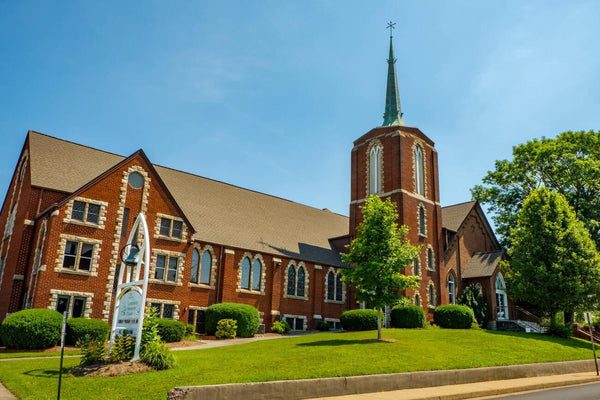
[
  {"x": 157, "y": 355},
  {"x": 226, "y": 329},
  {"x": 170, "y": 330},
  {"x": 280, "y": 327},
  {"x": 323, "y": 326},
  {"x": 31, "y": 329},
  {"x": 189, "y": 330},
  {"x": 454, "y": 316},
  {"x": 122, "y": 349},
  {"x": 359, "y": 320},
  {"x": 560, "y": 330},
  {"x": 79, "y": 328},
  {"x": 473, "y": 298},
  {"x": 93, "y": 350},
  {"x": 247, "y": 318},
  {"x": 409, "y": 316}
]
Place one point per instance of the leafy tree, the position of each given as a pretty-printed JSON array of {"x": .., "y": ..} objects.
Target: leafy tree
[
  {"x": 568, "y": 164},
  {"x": 380, "y": 252},
  {"x": 473, "y": 298},
  {"x": 553, "y": 263}
]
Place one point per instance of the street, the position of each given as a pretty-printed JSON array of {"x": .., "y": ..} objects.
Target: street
[{"x": 580, "y": 392}]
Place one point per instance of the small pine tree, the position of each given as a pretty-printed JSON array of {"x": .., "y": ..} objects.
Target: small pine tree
[{"x": 473, "y": 298}]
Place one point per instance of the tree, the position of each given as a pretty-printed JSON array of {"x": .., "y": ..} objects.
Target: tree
[
  {"x": 379, "y": 254},
  {"x": 553, "y": 263},
  {"x": 473, "y": 298},
  {"x": 568, "y": 164}
]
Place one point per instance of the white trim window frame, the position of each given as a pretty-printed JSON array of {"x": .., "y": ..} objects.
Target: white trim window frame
[
  {"x": 252, "y": 274},
  {"x": 170, "y": 227},
  {"x": 87, "y": 212},
  {"x": 335, "y": 293},
  {"x": 292, "y": 282}
]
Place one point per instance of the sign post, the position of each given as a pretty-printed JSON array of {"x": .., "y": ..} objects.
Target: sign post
[
  {"x": 592, "y": 340},
  {"x": 62, "y": 350},
  {"x": 130, "y": 299}
]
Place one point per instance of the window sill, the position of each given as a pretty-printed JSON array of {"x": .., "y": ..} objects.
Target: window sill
[
  {"x": 334, "y": 301},
  {"x": 422, "y": 235},
  {"x": 81, "y": 223},
  {"x": 289, "y": 296},
  {"x": 75, "y": 272},
  {"x": 200, "y": 285},
  {"x": 431, "y": 270},
  {"x": 159, "y": 282},
  {"x": 169, "y": 238},
  {"x": 430, "y": 307},
  {"x": 246, "y": 291}
]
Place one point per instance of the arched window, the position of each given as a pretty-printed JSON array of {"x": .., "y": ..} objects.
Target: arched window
[
  {"x": 417, "y": 300},
  {"x": 338, "y": 287},
  {"x": 430, "y": 259},
  {"x": 422, "y": 230},
  {"x": 206, "y": 266},
  {"x": 451, "y": 289},
  {"x": 416, "y": 269},
  {"x": 195, "y": 264},
  {"x": 300, "y": 282},
  {"x": 419, "y": 171},
  {"x": 330, "y": 286},
  {"x": 432, "y": 299},
  {"x": 291, "y": 287},
  {"x": 375, "y": 170},
  {"x": 256, "y": 274},
  {"x": 501, "y": 298},
  {"x": 246, "y": 273}
]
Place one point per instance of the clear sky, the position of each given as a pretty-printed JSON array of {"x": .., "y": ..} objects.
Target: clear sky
[{"x": 270, "y": 95}]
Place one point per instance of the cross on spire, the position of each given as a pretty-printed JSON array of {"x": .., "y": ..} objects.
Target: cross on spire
[{"x": 393, "y": 113}]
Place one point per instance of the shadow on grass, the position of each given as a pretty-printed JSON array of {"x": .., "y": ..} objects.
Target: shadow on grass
[
  {"x": 342, "y": 342},
  {"x": 571, "y": 342},
  {"x": 46, "y": 373}
]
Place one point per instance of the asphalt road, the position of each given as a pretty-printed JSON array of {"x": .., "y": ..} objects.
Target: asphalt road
[{"x": 581, "y": 392}]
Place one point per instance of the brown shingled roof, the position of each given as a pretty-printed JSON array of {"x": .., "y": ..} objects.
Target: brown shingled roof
[
  {"x": 454, "y": 215},
  {"x": 220, "y": 213},
  {"x": 482, "y": 264}
]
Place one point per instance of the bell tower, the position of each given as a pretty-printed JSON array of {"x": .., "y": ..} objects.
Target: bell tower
[{"x": 400, "y": 162}]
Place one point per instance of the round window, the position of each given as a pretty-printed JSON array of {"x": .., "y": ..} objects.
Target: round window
[{"x": 136, "y": 180}]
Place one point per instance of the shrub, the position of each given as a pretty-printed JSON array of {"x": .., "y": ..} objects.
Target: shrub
[
  {"x": 280, "y": 327},
  {"x": 189, "y": 330},
  {"x": 31, "y": 329},
  {"x": 122, "y": 348},
  {"x": 157, "y": 355},
  {"x": 454, "y": 316},
  {"x": 473, "y": 298},
  {"x": 78, "y": 328},
  {"x": 170, "y": 330},
  {"x": 359, "y": 320},
  {"x": 323, "y": 326},
  {"x": 409, "y": 316},
  {"x": 560, "y": 330},
  {"x": 247, "y": 318},
  {"x": 226, "y": 329},
  {"x": 93, "y": 350},
  {"x": 150, "y": 329}
]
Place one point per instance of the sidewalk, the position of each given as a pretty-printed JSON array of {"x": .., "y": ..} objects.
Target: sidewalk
[{"x": 475, "y": 390}]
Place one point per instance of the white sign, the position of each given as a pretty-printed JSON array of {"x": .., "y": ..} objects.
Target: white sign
[{"x": 130, "y": 310}]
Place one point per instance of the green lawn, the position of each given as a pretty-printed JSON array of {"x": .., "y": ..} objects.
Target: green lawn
[
  {"x": 312, "y": 356},
  {"x": 38, "y": 354}
]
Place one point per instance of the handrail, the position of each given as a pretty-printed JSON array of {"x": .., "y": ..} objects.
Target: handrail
[{"x": 528, "y": 314}]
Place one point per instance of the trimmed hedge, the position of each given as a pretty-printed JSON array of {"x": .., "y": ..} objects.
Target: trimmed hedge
[
  {"x": 410, "y": 316},
  {"x": 170, "y": 330},
  {"x": 359, "y": 320},
  {"x": 31, "y": 329},
  {"x": 454, "y": 316},
  {"x": 78, "y": 328},
  {"x": 247, "y": 318}
]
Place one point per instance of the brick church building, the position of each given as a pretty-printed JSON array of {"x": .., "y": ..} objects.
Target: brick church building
[{"x": 69, "y": 209}]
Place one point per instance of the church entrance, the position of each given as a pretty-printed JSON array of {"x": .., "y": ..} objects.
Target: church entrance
[{"x": 501, "y": 298}]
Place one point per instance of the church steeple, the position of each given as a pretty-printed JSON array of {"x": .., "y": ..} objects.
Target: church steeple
[{"x": 393, "y": 112}]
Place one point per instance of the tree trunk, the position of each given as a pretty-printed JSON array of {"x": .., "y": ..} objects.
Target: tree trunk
[
  {"x": 569, "y": 317},
  {"x": 378, "y": 323}
]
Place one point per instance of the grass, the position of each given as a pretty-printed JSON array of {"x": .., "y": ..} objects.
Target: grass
[
  {"x": 27, "y": 354},
  {"x": 312, "y": 356}
]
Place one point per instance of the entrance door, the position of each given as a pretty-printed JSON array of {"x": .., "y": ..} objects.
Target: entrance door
[{"x": 501, "y": 299}]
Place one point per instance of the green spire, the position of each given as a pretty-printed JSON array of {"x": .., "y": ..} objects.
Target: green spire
[{"x": 393, "y": 112}]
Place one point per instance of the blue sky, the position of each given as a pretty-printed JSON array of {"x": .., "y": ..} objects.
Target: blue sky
[{"x": 270, "y": 95}]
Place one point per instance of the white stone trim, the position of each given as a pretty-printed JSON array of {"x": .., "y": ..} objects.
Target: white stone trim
[
  {"x": 335, "y": 273},
  {"x": 263, "y": 274},
  {"x": 414, "y": 299},
  {"x": 79, "y": 239},
  {"x": 334, "y": 320},
  {"x": 213, "y": 268},
  {"x": 303, "y": 317},
  {"x": 162, "y": 302},
  {"x": 374, "y": 144},
  {"x": 424, "y": 233},
  {"x": 101, "y": 218},
  {"x": 296, "y": 267},
  {"x": 54, "y": 293},
  {"x": 429, "y": 247},
  {"x": 404, "y": 191},
  {"x": 275, "y": 312},
  {"x": 184, "y": 230},
  {"x": 169, "y": 254},
  {"x": 418, "y": 143},
  {"x": 431, "y": 304}
]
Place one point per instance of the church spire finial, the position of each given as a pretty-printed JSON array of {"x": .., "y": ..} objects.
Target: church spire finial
[{"x": 393, "y": 113}]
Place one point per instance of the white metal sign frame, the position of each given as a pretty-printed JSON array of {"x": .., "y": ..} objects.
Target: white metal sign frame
[{"x": 129, "y": 281}]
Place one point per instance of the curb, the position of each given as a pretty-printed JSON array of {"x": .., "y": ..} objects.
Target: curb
[{"x": 328, "y": 387}]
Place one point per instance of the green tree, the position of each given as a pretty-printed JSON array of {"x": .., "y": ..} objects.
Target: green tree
[
  {"x": 553, "y": 263},
  {"x": 568, "y": 164},
  {"x": 379, "y": 254},
  {"x": 473, "y": 298}
]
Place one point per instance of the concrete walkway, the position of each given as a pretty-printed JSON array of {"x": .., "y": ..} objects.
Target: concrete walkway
[{"x": 477, "y": 390}]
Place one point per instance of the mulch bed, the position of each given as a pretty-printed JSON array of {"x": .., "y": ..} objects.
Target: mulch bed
[{"x": 114, "y": 369}]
